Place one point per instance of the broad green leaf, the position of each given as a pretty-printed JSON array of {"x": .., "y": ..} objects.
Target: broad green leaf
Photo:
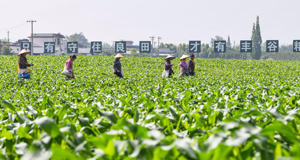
[
  {"x": 109, "y": 115},
  {"x": 49, "y": 126},
  {"x": 23, "y": 133},
  {"x": 59, "y": 153}
]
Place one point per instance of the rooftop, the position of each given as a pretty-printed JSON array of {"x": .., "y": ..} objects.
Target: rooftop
[{"x": 47, "y": 35}]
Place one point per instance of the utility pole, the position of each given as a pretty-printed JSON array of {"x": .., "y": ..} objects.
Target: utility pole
[
  {"x": 8, "y": 38},
  {"x": 59, "y": 49},
  {"x": 154, "y": 45},
  {"x": 31, "y": 21},
  {"x": 158, "y": 38},
  {"x": 152, "y": 38}
]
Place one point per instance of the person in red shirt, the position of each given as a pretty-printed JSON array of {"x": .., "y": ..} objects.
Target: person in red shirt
[{"x": 69, "y": 66}]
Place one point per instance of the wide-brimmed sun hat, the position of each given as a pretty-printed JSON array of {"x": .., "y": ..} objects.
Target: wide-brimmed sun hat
[
  {"x": 118, "y": 56},
  {"x": 170, "y": 57},
  {"x": 184, "y": 57},
  {"x": 24, "y": 51}
]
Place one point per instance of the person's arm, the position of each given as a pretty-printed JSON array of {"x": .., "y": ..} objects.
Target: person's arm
[
  {"x": 167, "y": 66},
  {"x": 181, "y": 64},
  {"x": 171, "y": 71},
  {"x": 185, "y": 66},
  {"x": 23, "y": 62},
  {"x": 68, "y": 65},
  {"x": 191, "y": 66},
  {"x": 117, "y": 66}
]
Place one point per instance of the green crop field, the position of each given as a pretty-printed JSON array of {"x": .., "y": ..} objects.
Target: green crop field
[{"x": 232, "y": 109}]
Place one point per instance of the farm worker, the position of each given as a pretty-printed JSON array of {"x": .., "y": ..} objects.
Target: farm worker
[
  {"x": 117, "y": 66},
  {"x": 23, "y": 71},
  {"x": 168, "y": 72},
  {"x": 69, "y": 66},
  {"x": 192, "y": 65},
  {"x": 183, "y": 65}
]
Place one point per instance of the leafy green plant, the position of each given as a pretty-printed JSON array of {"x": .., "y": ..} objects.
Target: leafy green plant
[{"x": 232, "y": 109}]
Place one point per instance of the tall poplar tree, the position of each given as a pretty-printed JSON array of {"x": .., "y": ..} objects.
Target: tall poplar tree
[
  {"x": 257, "y": 40},
  {"x": 253, "y": 39},
  {"x": 228, "y": 42}
]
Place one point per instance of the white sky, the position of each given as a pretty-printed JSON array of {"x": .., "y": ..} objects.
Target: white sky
[{"x": 176, "y": 21}]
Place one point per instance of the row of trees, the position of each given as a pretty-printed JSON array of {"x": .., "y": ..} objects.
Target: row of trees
[
  {"x": 207, "y": 51},
  {"x": 233, "y": 51}
]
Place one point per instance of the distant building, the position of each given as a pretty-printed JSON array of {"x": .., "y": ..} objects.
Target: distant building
[
  {"x": 162, "y": 55},
  {"x": 165, "y": 51},
  {"x": 21, "y": 40},
  {"x": 129, "y": 43},
  {"x": 40, "y": 38},
  {"x": 15, "y": 46},
  {"x": 134, "y": 47},
  {"x": 107, "y": 48}
]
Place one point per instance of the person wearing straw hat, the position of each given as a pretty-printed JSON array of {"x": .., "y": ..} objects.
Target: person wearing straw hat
[
  {"x": 168, "y": 72},
  {"x": 183, "y": 65},
  {"x": 23, "y": 71},
  {"x": 192, "y": 65},
  {"x": 117, "y": 66}
]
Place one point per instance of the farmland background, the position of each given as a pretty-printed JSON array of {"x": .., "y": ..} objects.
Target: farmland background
[{"x": 232, "y": 109}]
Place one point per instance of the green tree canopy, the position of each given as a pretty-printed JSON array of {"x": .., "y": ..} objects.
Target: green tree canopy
[
  {"x": 217, "y": 38},
  {"x": 5, "y": 50},
  {"x": 78, "y": 37}
]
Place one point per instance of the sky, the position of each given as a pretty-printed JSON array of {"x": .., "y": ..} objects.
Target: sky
[{"x": 175, "y": 21}]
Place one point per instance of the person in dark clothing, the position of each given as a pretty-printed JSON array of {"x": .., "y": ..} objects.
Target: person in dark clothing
[
  {"x": 117, "y": 66},
  {"x": 168, "y": 72},
  {"x": 191, "y": 65},
  {"x": 23, "y": 71}
]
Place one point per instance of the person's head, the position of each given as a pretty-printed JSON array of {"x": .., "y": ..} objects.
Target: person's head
[
  {"x": 118, "y": 56},
  {"x": 184, "y": 57},
  {"x": 192, "y": 56},
  {"x": 23, "y": 53},
  {"x": 73, "y": 57},
  {"x": 169, "y": 58}
]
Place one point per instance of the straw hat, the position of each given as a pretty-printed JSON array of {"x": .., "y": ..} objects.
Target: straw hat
[
  {"x": 24, "y": 51},
  {"x": 118, "y": 56},
  {"x": 170, "y": 57},
  {"x": 184, "y": 57}
]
